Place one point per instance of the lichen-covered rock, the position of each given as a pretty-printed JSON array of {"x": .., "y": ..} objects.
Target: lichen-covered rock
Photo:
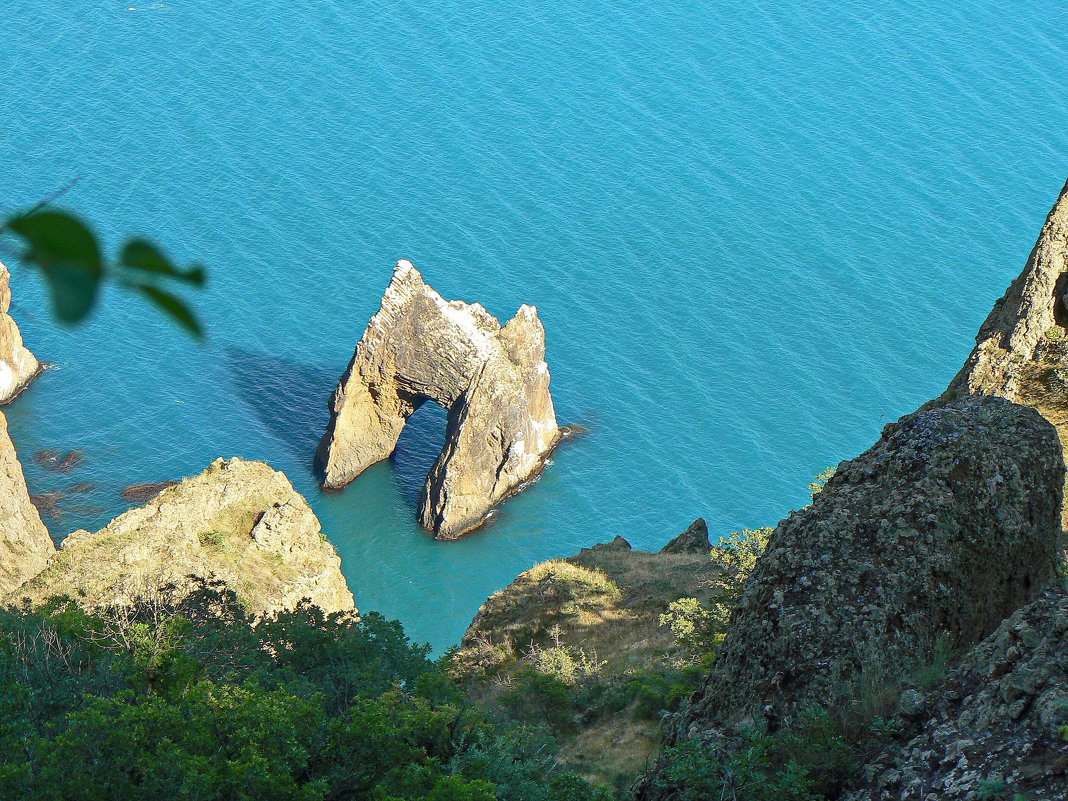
[
  {"x": 494, "y": 381},
  {"x": 25, "y": 545},
  {"x": 693, "y": 540},
  {"x": 943, "y": 528},
  {"x": 239, "y": 521},
  {"x": 17, "y": 365},
  {"x": 999, "y": 722}
]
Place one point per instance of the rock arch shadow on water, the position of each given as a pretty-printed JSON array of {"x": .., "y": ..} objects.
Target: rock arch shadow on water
[{"x": 290, "y": 398}]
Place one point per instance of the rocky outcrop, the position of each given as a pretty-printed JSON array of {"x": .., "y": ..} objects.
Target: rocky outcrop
[
  {"x": 1027, "y": 323},
  {"x": 600, "y": 608},
  {"x": 25, "y": 545},
  {"x": 999, "y": 722},
  {"x": 494, "y": 381},
  {"x": 942, "y": 529},
  {"x": 1021, "y": 351},
  {"x": 692, "y": 540},
  {"x": 17, "y": 365},
  {"x": 239, "y": 521}
]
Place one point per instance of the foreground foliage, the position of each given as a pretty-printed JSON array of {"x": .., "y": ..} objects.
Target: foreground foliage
[{"x": 187, "y": 699}]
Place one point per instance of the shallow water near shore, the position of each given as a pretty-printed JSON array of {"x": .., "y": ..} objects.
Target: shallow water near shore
[{"x": 755, "y": 234}]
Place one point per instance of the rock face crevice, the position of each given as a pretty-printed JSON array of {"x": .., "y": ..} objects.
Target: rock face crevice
[
  {"x": 493, "y": 380},
  {"x": 17, "y": 365}
]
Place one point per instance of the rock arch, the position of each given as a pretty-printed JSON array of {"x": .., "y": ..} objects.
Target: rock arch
[{"x": 493, "y": 380}]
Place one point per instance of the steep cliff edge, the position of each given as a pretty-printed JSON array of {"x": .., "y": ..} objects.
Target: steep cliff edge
[
  {"x": 25, "y": 545},
  {"x": 1021, "y": 350},
  {"x": 494, "y": 381},
  {"x": 17, "y": 365},
  {"x": 238, "y": 521},
  {"x": 1026, "y": 324}
]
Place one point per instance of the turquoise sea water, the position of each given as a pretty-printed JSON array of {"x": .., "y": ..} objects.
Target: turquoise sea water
[{"x": 755, "y": 232}]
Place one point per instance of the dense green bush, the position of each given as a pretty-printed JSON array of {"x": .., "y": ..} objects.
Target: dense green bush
[
  {"x": 189, "y": 699},
  {"x": 808, "y": 761},
  {"x": 545, "y": 698}
]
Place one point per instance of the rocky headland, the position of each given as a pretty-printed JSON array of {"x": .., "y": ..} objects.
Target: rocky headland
[
  {"x": 25, "y": 546},
  {"x": 17, "y": 365},
  {"x": 493, "y": 380},
  {"x": 239, "y": 522},
  {"x": 594, "y": 615}
]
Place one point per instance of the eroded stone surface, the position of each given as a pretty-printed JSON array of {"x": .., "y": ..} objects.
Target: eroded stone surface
[
  {"x": 17, "y": 365},
  {"x": 239, "y": 521},
  {"x": 25, "y": 545},
  {"x": 943, "y": 528},
  {"x": 998, "y": 720},
  {"x": 494, "y": 381}
]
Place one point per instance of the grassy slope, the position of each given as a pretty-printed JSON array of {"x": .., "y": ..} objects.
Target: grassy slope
[{"x": 604, "y": 604}]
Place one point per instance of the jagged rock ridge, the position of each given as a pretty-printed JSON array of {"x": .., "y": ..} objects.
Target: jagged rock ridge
[
  {"x": 1027, "y": 322},
  {"x": 1021, "y": 350},
  {"x": 494, "y": 381},
  {"x": 239, "y": 521},
  {"x": 17, "y": 365}
]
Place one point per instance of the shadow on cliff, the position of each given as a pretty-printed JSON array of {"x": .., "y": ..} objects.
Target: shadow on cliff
[{"x": 291, "y": 399}]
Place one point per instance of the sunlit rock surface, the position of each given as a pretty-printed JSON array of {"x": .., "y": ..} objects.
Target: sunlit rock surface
[
  {"x": 239, "y": 521},
  {"x": 17, "y": 365},
  {"x": 494, "y": 381},
  {"x": 25, "y": 545}
]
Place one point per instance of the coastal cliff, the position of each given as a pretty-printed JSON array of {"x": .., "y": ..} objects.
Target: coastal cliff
[
  {"x": 942, "y": 529},
  {"x": 239, "y": 521},
  {"x": 1027, "y": 325},
  {"x": 25, "y": 546},
  {"x": 1021, "y": 350},
  {"x": 17, "y": 365},
  {"x": 494, "y": 381}
]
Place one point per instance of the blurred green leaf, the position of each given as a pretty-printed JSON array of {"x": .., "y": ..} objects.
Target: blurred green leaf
[
  {"x": 173, "y": 307},
  {"x": 138, "y": 254},
  {"x": 67, "y": 253}
]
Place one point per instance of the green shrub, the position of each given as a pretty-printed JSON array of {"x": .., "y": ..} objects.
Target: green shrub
[
  {"x": 700, "y": 629},
  {"x": 820, "y": 481},
  {"x": 807, "y": 761},
  {"x": 190, "y": 699}
]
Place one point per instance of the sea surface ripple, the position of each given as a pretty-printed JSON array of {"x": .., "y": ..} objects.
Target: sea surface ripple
[{"x": 756, "y": 232}]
